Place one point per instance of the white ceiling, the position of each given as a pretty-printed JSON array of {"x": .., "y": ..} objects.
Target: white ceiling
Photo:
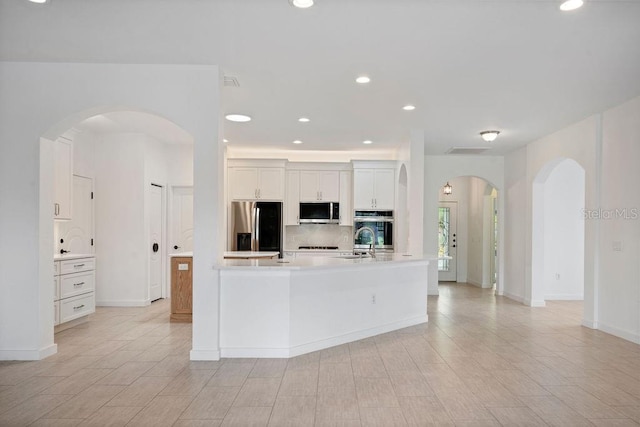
[{"x": 520, "y": 66}]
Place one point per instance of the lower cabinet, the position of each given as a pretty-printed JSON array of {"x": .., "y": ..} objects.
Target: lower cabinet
[
  {"x": 181, "y": 289},
  {"x": 74, "y": 289}
]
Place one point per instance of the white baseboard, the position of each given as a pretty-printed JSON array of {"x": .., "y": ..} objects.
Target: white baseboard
[
  {"x": 564, "y": 297},
  {"x": 590, "y": 324},
  {"x": 29, "y": 354},
  {"x": 204, "y": 354},
  {"x": 123, "y": 303},
  {"x": 634, "y": 337},
  {"x": 514, "y": 297},
  {"x": 534, "y": 303},
  {"x": 321, "y": 344}
]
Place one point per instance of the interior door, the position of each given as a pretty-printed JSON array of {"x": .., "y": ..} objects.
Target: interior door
[
  {"x": 447, "y": 242},
  {"x": 76, "y": 235},
  {"x": 155, "y": 244},
  {"x": 181, "y": 220}
]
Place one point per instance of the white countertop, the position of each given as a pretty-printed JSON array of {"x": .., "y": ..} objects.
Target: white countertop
[
  {"x": 181, "y": 254},
  {"x": 234, "y": 254},
  {"x": 320, "y": 262},
  {"x": 59, "y": 257}
]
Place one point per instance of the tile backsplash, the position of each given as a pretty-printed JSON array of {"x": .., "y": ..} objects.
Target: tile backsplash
[{"x": 319, "y": 235}]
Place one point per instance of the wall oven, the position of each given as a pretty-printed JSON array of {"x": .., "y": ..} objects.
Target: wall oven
[{"x": 379, "y": 221}]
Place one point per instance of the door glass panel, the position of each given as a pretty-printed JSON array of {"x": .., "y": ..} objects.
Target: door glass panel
[{"x": 444, "y": 218}]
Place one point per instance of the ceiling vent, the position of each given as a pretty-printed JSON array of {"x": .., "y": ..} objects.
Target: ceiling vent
[
  {"x": 467, "y": 150},
  {"x": 231, "y": 81}
]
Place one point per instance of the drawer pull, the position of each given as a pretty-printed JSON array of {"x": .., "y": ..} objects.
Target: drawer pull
[
  {"x": 78, "y": 265},
  {"x": 78, "y": 307},
  {"x": 78, "y": 284}
]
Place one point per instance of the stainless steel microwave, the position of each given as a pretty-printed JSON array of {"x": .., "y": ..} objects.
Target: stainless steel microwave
[{"x": 320, "y": 213}]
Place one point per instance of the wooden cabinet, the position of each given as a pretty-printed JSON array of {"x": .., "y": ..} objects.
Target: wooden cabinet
[
  {"x": 292, "y": 199},
  {"x": 319, "y": 186},
  {"x": 62, "y": 178},
  {"x": 374, "y": 188},
  {"x": 181, "y": 289},
  {"x": 74, "y": 289},
  {"x": 254, "y": 183}
]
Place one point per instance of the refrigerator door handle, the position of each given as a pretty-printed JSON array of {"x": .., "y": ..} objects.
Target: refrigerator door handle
[{"x": 256, "y": 237}]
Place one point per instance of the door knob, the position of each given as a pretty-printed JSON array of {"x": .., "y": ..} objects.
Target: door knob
[
  {"x": 155, "y": 247},
  {"x": 176, "y": 247}
]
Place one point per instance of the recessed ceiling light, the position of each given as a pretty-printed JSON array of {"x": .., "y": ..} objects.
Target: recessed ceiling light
[
  {"x": 363, "y": 79},
  {"x": 302, "y": 4},
  {"x": 297, "y": 141},
  {"x": 237, "y": 118},
  {"x": 571, "y": 5},
  {"x": 303, "y": 120},
  {"x": 225, "y": 140},
  {"x": 409, "y": 107},
  {"x": 489, "y": 135},
  {"x": 38, "y": 1},
  {"x": 367, "y": 142}
]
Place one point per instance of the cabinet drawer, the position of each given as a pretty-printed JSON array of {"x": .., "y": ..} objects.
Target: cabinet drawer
[
  {"x": 56, "y": 313},
  {"x": 56, "y": 288},
  {"x": 74, "y": 307},
  {"x": 56, "y": 268},
  {"x": 77, "y": 284},
  {"x": 76, "y": 265}
]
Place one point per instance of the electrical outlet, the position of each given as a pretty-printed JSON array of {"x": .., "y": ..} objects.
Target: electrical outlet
[
  {"x": 557, "y": 276},
  {"x": 617, "y": 245},
  {"x": 373, "y": 298}
]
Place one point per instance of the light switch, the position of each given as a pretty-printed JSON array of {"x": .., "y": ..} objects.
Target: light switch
[
  {"x": 183, "y": 267},
  {"x": 617, "y": 246}
]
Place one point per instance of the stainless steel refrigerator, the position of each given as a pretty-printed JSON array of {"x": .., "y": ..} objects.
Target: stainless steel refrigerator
[{"x": 255, "y": 226}]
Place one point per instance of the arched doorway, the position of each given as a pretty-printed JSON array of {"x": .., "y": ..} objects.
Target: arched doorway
[
  {"x": 558, "y": 232},
  {"x": 132, "y": 158},
  {"x": 468, "y": 226}
]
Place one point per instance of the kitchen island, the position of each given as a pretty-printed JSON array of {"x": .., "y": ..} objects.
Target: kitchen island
[{"x": 284, "y": 308}]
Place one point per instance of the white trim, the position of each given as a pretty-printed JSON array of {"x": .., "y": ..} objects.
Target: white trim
[
  {"x": 620, "y": 333},
  {"x": 29, "y": 354},
  {"x": 433, "y": 292},
  {"x": 534, "y": 303},
  {"x": 287, "y": 352},
  {"x": 590, "y": 324},
  {"x": 123, "y": 303},
  {"x": 514, "y": 297},
  {"x": 204, "y": 354}
]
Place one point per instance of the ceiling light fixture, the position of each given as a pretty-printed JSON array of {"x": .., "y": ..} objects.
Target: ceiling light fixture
[
  {"x": 571, "y": 5},
  {"x": 225, "y": 140},
  {"x": 297, "y": 141},
  {"x": 363, "y": 79},
  {"x": 302, "y": 4},
  {"x": 237, "y": 118},
  {"x": 39, "y": 1},
  {"x": 409, "y": 107},
  {"x": 447, "y": 189},
  {"x": 367, "y": 142},
  {"x": 303, "y": 120},
  {"x": 489, "y": 135}
]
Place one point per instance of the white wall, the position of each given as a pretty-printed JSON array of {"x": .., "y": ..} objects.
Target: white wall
[
  {"x": 563, "y": 234},
  {"x": 460, "y": 195},
  {"x": 515, "y": 240},
  {"x": 619, "y": 271},
  {"x": 477, "y": 233},
  {"x": 44, "y": 100},
  {"x": 439, "y": 170}
]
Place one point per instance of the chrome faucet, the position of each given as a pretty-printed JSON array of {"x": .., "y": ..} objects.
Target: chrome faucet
[{"x": 373, "y": 237}]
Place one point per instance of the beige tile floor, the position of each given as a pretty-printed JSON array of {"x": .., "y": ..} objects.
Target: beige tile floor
[{"x": 480, "y": 361}]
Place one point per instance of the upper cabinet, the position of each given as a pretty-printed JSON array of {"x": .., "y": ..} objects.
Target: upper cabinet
[
  {"x": 62, "y": 178},
  {"x": 292, "y": 200},
  {"x": 346, "y": 198},
  {"x": 316, "y": 186},
  {"x": 373, "y": 186},
  {"x": 256, "y": 179}
]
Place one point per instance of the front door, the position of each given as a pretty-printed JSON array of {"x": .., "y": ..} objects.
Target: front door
[
  {"x": 447, "y": 242},
  {"x": 155, "y": 244}
]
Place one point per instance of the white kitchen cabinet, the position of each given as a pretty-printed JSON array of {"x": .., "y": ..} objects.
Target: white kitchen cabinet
[
  {"x": 62, "y": 178},
  {"x": 74, "y": 289},
  {"x": 346, "y": 198},
  {"x": 292, "y": 200},
  {"x": 255, "y": 183},
  {"x": 319, "y": 186},
  {"x": 374, "y": 189}
]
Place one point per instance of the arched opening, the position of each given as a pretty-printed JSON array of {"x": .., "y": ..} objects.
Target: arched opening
[
  {"x": 128, "y": 161},
  {"x": 468, "y": 225},
  {"x": 558, "y": 232}
]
